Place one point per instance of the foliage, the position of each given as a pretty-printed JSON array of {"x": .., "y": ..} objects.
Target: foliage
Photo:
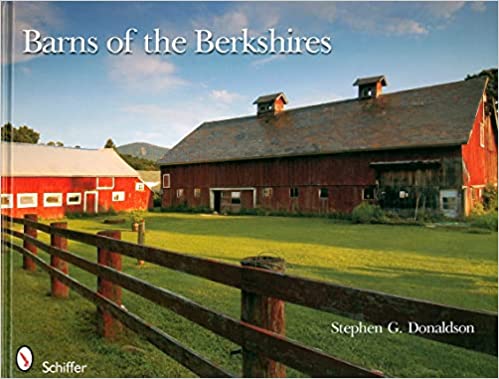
[
  {"x": 52, "y": 143},
  {"x": 143, "y": 150},
  {"x": 139, "y": 163},
  {"x": 110, "y": 144},
  {"x": 21, "y": 134},
  {"x": 490, "y": 197},
  {"x": 137, "y": 216},
  {"x": 491, "y": 86},
  {"x": 366, "y": 213},
  {"x": 486, "y": 220}
]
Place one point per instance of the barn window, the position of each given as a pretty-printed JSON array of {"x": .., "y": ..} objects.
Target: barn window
[
  {"x": 73, "y": 198},
  {"x": 267, "y": 192},
  {"x": 293, "y": 192},
  {"x": 52, "y": 200},
  {"x": 27, "y": 200},
  {"x": 139, "y": 186},
  {"x": 118, "y": 196},
  {"x": 482, "y": 134},
  {"x": 235, "y": 197},
  {"x": 180, "y": 193},
  {"x": 368, "y": 193},
  {"x": 197, "y": 192},
  {"x": 6, "y": 200},
  {"x": 324, "y": 193},
  {"x": 105, "y": 183},
  {"x": 166, "y": 180}
]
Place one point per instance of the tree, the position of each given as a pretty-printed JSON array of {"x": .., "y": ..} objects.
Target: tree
[
  {"x": 491, "y": 86},
  {"x": 52, "y": 143},
  {"x": 110, "y": 144},
  {"x": 22, "y": 134}
]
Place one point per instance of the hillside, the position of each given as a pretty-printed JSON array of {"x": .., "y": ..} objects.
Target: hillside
[{"x": 143, "y": 150}]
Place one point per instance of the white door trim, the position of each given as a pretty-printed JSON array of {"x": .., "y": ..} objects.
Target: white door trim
[{"x": 96, "y": 205}]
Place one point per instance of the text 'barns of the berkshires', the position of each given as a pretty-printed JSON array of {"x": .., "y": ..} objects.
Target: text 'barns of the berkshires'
[{"x": 433, "y": 148}]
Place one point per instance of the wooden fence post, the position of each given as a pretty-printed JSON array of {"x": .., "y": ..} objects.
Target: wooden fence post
[
  {"x": 265, "y": 312},
  {"x": 59, "y": 289},
  {"x": 28, "y": 263},
  {"x": 141, "y": 236},
  {"x": 108, "y": 326}
]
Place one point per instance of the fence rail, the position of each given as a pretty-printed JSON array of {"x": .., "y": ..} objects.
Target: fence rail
[{"x": 370, "y": 306}]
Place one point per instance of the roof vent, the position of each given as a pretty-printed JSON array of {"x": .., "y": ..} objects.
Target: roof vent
[
  {"x": 270, "y": 104},
  {"x": 371, "y": 87}
]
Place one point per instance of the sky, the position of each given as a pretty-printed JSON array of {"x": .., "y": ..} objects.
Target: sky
[{"x": 85, "y": 99}]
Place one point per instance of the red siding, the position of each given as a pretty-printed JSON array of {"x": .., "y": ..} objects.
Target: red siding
[
  {"x": 345, "y": 176},
  {"x": 479, "y": 163},
  {"x": 133, "y": 199}
]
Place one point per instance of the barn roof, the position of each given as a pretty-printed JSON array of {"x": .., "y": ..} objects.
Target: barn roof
[
  {"x": 35, "y": 160},
  {"x": 440, "y": 115}
]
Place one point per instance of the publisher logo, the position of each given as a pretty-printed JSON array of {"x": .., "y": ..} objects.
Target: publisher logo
[{"x": 24, "y": 358}]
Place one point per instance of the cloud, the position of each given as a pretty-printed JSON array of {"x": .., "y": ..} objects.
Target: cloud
[
  {"x": 225, "y": 96},
  {"x": 143, "y": 72},
  {"x": 263, "y": 61},
  {"x": 405, "y": 26},
  {"x": 478, "y": 6},
  {"x": 42, "y": 16}
]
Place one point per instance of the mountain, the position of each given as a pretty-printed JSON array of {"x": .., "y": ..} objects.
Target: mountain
[{"x": 143, "y": 150}]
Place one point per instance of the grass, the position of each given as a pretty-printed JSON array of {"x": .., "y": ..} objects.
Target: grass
[{"x": 453, "y": 267}]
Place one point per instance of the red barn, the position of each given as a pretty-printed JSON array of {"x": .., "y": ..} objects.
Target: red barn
[
  {"x": 431, "y": 149},
  {"x": 54, "y": 181}
]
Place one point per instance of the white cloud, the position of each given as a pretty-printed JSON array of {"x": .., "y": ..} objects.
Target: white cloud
[
  {"x": 478, "y": 6},
  {"x": 42, "y": 16},
  {"x": 404, "y": 26},
  {"x": 443, "y": 9},
  {"x": 143, "y": 72},
  {"x": 259, "y": 62},
  {"x": 225, "y": 96}
]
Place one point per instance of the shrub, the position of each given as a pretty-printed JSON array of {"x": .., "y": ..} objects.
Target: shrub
[
  {"x": 366, "y": 213},
  {"x": 490, "y": 197},
  {"x": 485, "y": 221}
]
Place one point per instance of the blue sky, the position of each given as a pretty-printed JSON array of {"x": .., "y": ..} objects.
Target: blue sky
[{"x": 85, "y": 99}]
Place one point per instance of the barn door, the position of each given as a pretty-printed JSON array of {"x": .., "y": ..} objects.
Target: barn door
[{"x": 90, "y": 202}]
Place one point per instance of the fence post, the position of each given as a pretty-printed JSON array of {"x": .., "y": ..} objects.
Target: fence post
[
  {"x": 28, "y": 263},
  {"x": 265, "y": 312},
  {"x": 107, "y": 326},
  {"x": 141, "y": 236},
  {"x": 59, "y": 289}
]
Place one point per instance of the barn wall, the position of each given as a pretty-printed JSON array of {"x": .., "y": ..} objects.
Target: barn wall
[
  {"x": 479, "y": 163},
  {"x": 344, "y": 175},
  {"x": 133, "y": 199}
]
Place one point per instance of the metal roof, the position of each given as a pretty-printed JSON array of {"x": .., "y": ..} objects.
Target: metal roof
[
  {"x": 36, "y": 160},
  {"x": 271, "y": 97},
  {"x": 440, "y": 115},
  {"x": 371, "y": 80}
]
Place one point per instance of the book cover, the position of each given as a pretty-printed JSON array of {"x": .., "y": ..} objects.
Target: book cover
[{"x": 249, "y": 189}]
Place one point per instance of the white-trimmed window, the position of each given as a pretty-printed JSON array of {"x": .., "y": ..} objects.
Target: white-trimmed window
[
  {"x": 73, "y": 198},
  {"x": 197, "y": 193},
  {"x": 118, "y": 196},
  {"x": 235, "y": 197},
  {"x": 180, "y": 193},
  {"x": 27, "y": 200},
  {"x": 6, "y": 201},
  {"x": 52, "y": 200},
  {"x": 482, "y": 134},
  {"x": 139, "y": 186},
  {"x": 267, "y": 192},
  {"x": 105, "y": 182},
  {"x": 293, "y": 192},
  {"x": 166, "y": 180}
]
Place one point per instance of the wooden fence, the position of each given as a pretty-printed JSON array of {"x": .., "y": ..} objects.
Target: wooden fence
[{"x": 265, "y": 349}]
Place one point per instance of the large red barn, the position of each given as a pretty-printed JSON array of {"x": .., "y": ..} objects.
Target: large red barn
[
  {"x": 431, "y": 148},
  {"x": 54, "y": 181}
]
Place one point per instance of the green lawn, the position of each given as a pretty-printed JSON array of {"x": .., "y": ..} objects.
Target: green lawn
[{"x": 446, "y": 266}]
